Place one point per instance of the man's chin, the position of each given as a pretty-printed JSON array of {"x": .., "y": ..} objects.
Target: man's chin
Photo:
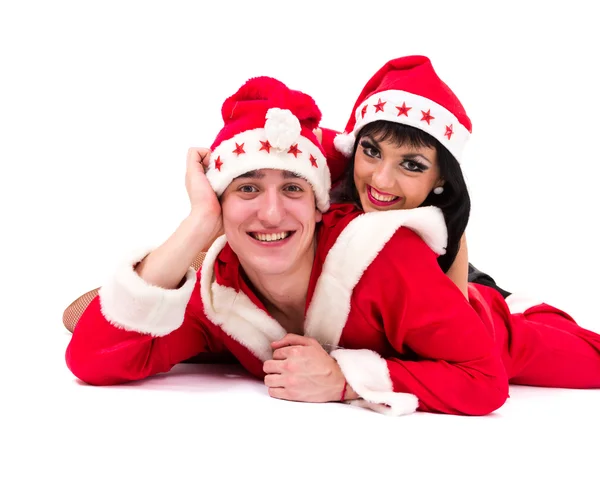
[{"x": 268, "y": 265}]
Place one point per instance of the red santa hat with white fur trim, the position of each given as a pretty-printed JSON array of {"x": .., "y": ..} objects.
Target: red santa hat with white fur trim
[
  {"x": 408, "y": 91},
  {"x": 269, "y": 126}
]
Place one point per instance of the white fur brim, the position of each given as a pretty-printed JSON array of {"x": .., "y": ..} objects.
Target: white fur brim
[
  {"x": 308, "y": 163},
  {"x": 422, "y": 113},
  {"x": 368, "y": 374},
  {"x": 129, "y": 302},
  {"x": 353, "y": 252},
  {"x": 520, "y": 303}
]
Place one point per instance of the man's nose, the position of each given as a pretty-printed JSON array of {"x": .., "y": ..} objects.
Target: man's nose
[{"x": 271, "y": 209}]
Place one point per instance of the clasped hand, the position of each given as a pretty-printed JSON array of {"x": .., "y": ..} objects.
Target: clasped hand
[{"x": 302, "y": 371}]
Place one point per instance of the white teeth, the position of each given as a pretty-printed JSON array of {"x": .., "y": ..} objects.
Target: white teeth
[
  {"x": 271, "y": 236},
  {"x": 380, "y": 197}
]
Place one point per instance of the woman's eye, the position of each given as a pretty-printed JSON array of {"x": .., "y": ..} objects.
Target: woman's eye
[
  {"x": 369, "y": 149},
  {"x": 413, "y": 166}
]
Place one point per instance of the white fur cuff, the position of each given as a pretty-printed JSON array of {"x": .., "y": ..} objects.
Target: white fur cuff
[
  {"x": 367, "y": 373},
  {"x": 129, "y": 302},
  {"x": 520, "y": 303}
]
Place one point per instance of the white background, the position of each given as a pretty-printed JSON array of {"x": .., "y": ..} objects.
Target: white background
[{"x": 99, "y": 102}]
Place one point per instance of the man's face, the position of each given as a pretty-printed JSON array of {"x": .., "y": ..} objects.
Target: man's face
[{"x": 269, "y": 218}]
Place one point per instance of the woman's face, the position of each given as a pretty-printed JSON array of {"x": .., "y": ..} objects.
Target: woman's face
[{"x": 388, "y": 176}]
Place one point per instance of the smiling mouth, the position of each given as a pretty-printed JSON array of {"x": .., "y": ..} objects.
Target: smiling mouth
[
  {"x": 381, "y": 199},
  {"x": 270, "y": 237}
]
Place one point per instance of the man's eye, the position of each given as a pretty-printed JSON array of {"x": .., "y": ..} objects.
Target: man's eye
[
  {"x": 293, "y": 188},
  {"x": 247, "y": 189}
]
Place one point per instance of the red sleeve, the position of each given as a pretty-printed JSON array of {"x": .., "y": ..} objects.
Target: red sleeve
[
  {"x": 103, "y": 352},
  {"x": 445, "y": 354},
  {"x": 336, "y": 161}
]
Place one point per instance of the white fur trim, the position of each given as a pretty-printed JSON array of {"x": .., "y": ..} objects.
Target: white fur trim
[
  {"x": 282, "y": 128},
  {"x": 353, "y": 252},
  {"x": 234, "y": 165},
  {"x": 234, "y": 312},
  {"x": 344, "y": 143},
  {"x": 368, "y": 374},
  {"x": 520, "y": 303},
  {"x": 129, "y": 302},
  {"x": 437, "y": 127}
]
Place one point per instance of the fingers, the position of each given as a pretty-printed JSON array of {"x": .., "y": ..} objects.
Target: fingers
[
  {"x": 273, "y": 366},
  {"x": 293, "y": 339},
  {"x": 286, "y": 352},
  {"x": 278, "y": 392},
  {"x": 198, "y": 157},
  {"x": 274, "y": 381}
]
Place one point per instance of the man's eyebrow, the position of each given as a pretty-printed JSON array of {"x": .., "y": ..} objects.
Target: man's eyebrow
[
  {"x": 256, "y": 174},
  {"x": 251, "y": 175}
]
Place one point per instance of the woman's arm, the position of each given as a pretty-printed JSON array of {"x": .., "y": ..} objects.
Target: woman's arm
[
  {"x": 459, "y": 271},
  {"x": 444, "y": 353}
]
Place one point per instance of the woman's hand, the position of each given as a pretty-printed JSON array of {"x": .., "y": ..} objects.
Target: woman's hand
[{"x": 301, "y": 370}]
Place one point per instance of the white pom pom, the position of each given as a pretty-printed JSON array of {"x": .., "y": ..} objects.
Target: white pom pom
[
  {"x": 282, "y": 128},
  {"x": 344, "y": 143}
]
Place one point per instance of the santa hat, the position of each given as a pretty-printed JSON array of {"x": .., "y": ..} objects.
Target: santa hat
[
  {"x": 269, "y": 126},
  {"x": 408, "y": 91}
]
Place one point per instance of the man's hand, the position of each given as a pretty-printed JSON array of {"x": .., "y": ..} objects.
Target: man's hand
[
  {"x": 302, "y": 371},
  {"x": 203, "y": 200}
]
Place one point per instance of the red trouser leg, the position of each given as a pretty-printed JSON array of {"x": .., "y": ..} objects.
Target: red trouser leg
[{"x": 547, "y": 348}]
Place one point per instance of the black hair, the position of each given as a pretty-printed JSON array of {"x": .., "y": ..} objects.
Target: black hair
[{"x": 454, "y": 202}]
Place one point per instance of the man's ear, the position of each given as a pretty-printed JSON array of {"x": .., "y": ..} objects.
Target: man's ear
[{"x": 319, "y": 216}]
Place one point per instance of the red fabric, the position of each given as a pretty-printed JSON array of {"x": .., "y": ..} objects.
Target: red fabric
[
  {"x": 414, "y": 74},
  {"x": 247, "y": 108},
  {"x": 543, "y": 346},
  {"x": 343, "y": 395},
  {"x": 336, "y": 161}
]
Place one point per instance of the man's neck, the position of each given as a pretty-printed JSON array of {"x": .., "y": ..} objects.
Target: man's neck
[{"x": 284, "y": 295}]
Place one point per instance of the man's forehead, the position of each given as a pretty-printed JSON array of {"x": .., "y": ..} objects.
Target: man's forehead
[{"x": 261, "y": 173}]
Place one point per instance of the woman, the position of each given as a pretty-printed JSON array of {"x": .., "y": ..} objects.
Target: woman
[
  {"x": 298, "y": 293},
  {"x": 404, "y": 139}
]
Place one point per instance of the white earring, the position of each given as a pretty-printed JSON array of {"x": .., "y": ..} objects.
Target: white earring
[{"x": 438, "y": 190}]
